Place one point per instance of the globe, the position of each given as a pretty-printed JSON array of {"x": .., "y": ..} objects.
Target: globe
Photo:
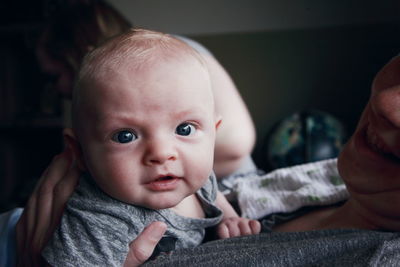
[{"x": 303, "y": 137}]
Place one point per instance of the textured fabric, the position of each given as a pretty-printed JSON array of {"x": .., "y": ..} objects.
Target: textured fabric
[
  {"x": 314, "y": 248},
  {"x": 288, "y": 189},
  {"x": 247, "y": 169},
  {"x": 96, "y": 229},
  {"x": 8, "y": 221}
]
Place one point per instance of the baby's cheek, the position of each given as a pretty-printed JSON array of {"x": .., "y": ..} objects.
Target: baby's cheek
[
  {"x": 205, "y": 159},
  {"x": 203, "y": 167},
  {"x": 109, "y": 171}
]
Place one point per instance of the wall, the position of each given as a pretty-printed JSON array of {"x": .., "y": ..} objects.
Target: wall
[
  {"x": 286, "y": 56},
  {"x": 227, "y": 16},
  {"x": 281, "y": 72}
]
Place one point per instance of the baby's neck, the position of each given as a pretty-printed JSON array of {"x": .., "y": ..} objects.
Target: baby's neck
[{"x": 189, "y": 207}]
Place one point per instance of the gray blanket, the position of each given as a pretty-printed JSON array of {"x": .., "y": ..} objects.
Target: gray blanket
[{"x": 313, "y": 248}]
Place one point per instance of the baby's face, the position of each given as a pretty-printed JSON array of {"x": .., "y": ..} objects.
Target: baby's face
[{"x": 148, "y": 135}]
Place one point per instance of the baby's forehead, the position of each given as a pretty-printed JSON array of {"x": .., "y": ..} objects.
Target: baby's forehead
[
  {"x": 135, "y": 54},
  {"x": 168, "y": 102},
  {"x": 176, "y": 78}
]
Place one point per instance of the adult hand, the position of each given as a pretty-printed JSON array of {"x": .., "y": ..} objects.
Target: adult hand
[{"x": 44, "y": 209}]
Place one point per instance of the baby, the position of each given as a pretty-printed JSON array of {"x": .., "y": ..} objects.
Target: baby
[{"x": 144, "y": 128}]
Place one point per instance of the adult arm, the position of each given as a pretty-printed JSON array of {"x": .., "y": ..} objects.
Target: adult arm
[{"x": 236, "y": 134}]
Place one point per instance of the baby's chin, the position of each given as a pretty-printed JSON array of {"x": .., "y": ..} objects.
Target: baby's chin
[{"x": 157, "y": 202}]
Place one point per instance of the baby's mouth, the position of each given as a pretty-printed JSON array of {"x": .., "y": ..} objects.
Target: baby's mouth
[
  {"x": 165, "y": 182},
  {"x": 165, "y": 178}
]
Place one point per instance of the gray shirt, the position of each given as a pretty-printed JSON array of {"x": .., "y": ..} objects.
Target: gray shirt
[{"x": 96, "y": 229}]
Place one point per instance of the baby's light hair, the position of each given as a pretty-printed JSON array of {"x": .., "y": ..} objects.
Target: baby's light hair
[{"x": 135, "y": 48}]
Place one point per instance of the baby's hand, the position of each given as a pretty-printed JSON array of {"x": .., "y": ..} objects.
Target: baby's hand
[{"x": 237, "y": 226}]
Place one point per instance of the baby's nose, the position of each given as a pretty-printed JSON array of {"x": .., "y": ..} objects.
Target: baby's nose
[{"x": 159, "y": 152}]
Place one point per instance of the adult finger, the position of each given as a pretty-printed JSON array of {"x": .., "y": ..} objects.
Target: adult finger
[
  {"x": 143, "y": 246},
  {"x": 45, "y": 197},
  {"x": 27, "y": 231},
  {"x": 34, "y": 222},
  {"x": 62, "y": 192}
]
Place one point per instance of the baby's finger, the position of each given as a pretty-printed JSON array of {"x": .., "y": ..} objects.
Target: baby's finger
[
  {"x": 234, "y": 229},
  {"x": 255, "y": 226},
  {"x": 143, "y": 246},
  {"x": 245, "y": 228},
  {"x": 223, "y": 231}
]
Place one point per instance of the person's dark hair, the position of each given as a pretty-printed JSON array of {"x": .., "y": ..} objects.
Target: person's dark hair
[{"x": 76, "y": 26}]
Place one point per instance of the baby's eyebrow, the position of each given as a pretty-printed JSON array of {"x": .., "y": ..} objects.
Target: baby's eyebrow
[
  {"x": 197, "y": 112},
  {"x": 119, "y": 117},
  {"x": 108, "y": 123}
]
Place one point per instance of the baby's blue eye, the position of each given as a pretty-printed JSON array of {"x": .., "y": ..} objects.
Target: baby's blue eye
[
  {"x": 124, "y": 137},
  {"x": 185, "y": 129}
]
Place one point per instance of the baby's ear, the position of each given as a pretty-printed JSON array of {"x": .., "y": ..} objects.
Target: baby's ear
[{"x": 71, "y": 141}]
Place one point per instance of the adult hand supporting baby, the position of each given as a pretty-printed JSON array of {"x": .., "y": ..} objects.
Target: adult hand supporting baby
[{"x": 44, "y": 209}]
